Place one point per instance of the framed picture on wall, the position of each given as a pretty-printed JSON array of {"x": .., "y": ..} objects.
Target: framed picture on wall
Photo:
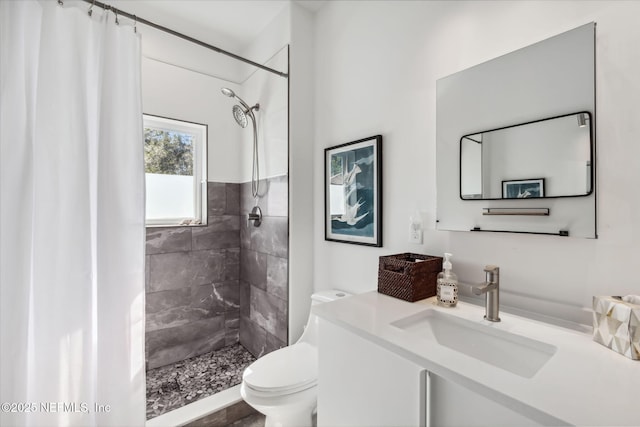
[
  {"x": 523, "y": 188},
  {"x": 353, "y": 192}
]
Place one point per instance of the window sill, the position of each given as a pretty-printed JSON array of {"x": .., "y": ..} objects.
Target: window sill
[{"x": 173, "y": 225}]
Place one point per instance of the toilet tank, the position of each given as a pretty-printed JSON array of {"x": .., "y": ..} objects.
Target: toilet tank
[{"x": 310, "y": 334}]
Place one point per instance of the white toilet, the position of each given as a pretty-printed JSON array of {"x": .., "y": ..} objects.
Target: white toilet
[{"x": 282, "y": 385}]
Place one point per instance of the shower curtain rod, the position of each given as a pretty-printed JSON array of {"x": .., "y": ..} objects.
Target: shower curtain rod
[{"x": 137, "y": 19}]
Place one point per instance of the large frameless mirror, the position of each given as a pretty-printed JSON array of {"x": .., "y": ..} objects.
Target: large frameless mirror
[
  {"x": 516, "y": 141},
  {"x": 541, "y": 159}
]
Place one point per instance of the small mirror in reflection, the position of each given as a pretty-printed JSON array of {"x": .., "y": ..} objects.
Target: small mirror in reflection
[{"x": 545, "y": 158}]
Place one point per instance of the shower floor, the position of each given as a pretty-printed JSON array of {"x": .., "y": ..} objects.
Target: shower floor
[{"x": 172, "y": 386}]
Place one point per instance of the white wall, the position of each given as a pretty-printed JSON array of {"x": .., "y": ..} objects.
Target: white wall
[
  {"x": 178, "y": 93},
  {"x": 376, "y": 67},
  {"x": 301, "y": 158},
  {"x": 271, "y": 91}
]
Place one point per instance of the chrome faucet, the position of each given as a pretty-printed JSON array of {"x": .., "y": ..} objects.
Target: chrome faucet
[{"x": 490, "y": 287}]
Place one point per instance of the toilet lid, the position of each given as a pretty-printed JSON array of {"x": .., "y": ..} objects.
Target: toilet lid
[{"x": 292, "y": 367}]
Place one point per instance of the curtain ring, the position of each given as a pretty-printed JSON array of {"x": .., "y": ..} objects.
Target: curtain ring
[
  {"x": 135, "y": 24},
  {"x": 116, "y": 13},
  {"x": 90, "y": 11},
  {"x": 60, "y": 2}
]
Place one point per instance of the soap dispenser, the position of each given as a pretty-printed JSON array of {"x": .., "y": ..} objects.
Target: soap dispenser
[{"x": 447, "y": 292}]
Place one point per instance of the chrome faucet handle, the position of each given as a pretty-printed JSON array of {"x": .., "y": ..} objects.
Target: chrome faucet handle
[
  {"x": 255, "y": 215},
  {"x": 483, "y": 287}
]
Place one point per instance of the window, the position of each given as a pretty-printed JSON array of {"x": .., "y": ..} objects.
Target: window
[{"x": 175, "y": 154}]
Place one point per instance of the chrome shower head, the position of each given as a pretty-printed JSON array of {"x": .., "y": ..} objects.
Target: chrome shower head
[
  {"x": 228, "y": 92},
  {"x": 240, "y": 112},
  {"x": 240, "y": 116},
  {"x": 231, "y": 94}
]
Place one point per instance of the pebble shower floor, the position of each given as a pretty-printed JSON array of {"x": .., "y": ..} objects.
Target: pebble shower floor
[{"x": 172, "y": 386}]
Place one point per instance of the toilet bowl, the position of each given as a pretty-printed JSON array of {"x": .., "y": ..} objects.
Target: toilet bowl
[{"x": 282, "y": 385}]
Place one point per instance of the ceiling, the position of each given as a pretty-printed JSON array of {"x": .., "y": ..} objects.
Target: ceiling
[{"x": 228, "y": 24}]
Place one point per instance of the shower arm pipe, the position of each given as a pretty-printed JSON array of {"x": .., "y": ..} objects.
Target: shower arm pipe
[
  {"x": 248, "y": 109},
  {"x": 200, "y": 43}
]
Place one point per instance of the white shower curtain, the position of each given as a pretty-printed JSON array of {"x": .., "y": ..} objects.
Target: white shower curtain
[{"x": 71, "y": 218}]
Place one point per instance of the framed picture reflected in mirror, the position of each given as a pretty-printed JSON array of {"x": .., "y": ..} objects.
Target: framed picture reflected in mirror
[{"x": 523, "y": 188}]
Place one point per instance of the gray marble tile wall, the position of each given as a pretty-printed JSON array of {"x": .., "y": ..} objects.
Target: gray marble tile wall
[
  {"x": 264, "y": 268},
  {"x": 192, "y": 282}
]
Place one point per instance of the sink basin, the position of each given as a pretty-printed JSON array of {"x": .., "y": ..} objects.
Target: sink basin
[{"x": 514, "y": 353}]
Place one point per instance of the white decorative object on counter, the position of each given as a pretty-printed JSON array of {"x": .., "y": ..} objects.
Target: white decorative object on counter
[{"x": 616, "y": 324}]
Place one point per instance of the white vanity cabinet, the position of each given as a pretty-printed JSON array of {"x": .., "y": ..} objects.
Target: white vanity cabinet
[
  {"x": 386, "y": 362},
  {"x": 452, "y": 405},
  {"x": 360, "y": 383},
  {"x": 363, "y": 384}
]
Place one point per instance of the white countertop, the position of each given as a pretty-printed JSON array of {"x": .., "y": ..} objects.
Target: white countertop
[{"x": 583, "y": 384}]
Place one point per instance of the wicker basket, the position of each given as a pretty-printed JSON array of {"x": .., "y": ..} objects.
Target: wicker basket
[{"x": 410, "y": 277}]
